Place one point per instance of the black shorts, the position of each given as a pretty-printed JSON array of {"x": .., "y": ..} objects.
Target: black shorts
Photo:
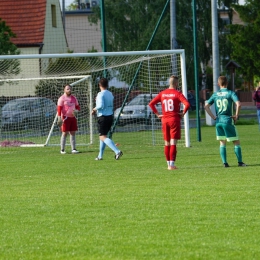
[{"x": 104, "y": 124}]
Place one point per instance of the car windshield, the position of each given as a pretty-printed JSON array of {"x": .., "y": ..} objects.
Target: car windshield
[
  {"x": 140, "y": 100},
  {"x": 17, "y": 105}
]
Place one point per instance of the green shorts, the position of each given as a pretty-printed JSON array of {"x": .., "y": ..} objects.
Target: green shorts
[{"x": 226, "y": 130}]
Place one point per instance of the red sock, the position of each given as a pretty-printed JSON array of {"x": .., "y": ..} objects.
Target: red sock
[
  {"x": 173, "y": 152},
  {"x": 167, "y": 152}
]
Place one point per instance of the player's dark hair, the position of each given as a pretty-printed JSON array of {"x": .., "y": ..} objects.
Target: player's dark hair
[
  {"x": 173, "y": 77},
  {"x": 103, "y": 82},
  {"x": 66, "y": 86}
]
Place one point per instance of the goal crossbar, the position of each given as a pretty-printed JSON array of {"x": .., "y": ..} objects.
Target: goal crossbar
[
  {"x": 73, "y": 81},
  {"x": 158, "y": 65}
]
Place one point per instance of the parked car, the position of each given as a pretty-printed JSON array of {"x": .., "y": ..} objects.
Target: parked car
[
  {"x": 24, "y": 113},
  {"x": 192, "y": 101},
  {"x": 137, "y": 110}
]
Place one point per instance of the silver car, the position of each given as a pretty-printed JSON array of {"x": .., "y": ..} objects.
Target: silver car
[
  {"x": 137, "y": 110},
  {"x": 31, "y": 112}
]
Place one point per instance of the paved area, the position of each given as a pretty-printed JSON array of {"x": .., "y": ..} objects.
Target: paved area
[{"x": 248, "y": 105}]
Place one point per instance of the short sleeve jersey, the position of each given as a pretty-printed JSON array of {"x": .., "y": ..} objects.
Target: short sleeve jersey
[
  {"x": 68, "y": 104},
  {"x": 104, "y": 103},
  {"x": 171, "y": 100},
  {"x": 223, "y": 100}
]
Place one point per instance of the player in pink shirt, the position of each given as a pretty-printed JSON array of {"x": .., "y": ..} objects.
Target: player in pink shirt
[
  {"x": 67, "y": 109},
  {"x": 170, "y": 100}
]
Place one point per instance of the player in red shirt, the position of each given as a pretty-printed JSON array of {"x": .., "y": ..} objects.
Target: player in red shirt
[
  {"x": 67, "y": 108},
  {"x": 170, "y": 100}
]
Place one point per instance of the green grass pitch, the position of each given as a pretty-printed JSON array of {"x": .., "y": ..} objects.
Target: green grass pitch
[{"x": 55, "y": 206}]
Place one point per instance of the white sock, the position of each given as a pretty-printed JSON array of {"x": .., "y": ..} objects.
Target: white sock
[
  {"x": 62, "y": 142},
  {"x": 171, "y": 163}
]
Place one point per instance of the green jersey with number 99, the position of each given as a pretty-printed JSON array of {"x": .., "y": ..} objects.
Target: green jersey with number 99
[{"x": 223, "y": 100}]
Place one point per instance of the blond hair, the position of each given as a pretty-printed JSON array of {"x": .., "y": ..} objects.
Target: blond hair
[
  {"x": 173, "y": 81},
  {"x": 222, "y": 81}
]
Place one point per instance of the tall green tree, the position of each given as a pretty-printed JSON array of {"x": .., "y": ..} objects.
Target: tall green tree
[
  {"x": 245, "y": 39},
  {"x": 204, "y": 36},
  {"x": 8, "y": 67},
  {"x": 130, "y": 25}
]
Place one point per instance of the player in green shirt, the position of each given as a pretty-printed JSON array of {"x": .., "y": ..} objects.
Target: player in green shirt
[{"x": 223, "y": 101}]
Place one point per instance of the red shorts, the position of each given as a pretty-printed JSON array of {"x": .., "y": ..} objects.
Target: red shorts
[
  {"x": 69, "y": 124},
  {"x": 171, "y": 130}
]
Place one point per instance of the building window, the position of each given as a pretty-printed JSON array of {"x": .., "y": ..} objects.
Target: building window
[{"x": 53, "y": 16}]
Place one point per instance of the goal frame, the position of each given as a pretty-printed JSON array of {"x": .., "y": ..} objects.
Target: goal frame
[
  {"x": 89, "y": 78},
  {"x": 180, "y": 52},
  {"x": 77, "y": 79}
]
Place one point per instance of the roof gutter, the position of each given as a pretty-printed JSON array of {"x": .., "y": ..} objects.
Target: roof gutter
[
  {"x": 24, "y": 45},
  {"x": 40, "y": 48}
]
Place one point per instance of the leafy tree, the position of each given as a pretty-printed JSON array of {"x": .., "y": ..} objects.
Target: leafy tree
[
  {"x": 204, "y": 36},
  {"x": 66, "y": 67},
  {"x": 61, "y": 67},
  {"x": 8, "y": 67},
  {"x": 130, "y": 25},
  {"x": 73, "y": 6},
  {"x": 245, "y": 39}
]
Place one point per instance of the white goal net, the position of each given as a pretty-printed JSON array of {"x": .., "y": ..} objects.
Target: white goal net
[
  {"x": 30, "y": 120},
  {"x": 134, "y": 79}
]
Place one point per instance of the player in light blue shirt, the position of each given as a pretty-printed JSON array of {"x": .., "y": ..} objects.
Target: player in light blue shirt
[
  {"x": 223, "y": 101},
  {"x": 104, "y": 103},
  {"x": 104, "y": 110}
]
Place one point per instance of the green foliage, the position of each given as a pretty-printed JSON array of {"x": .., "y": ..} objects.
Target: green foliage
[
  {"x": 50, "y": 88},
  {"x": 65, "y": 66},
  {"x": 72, "y": 6},
  {"x": 130, "y": 25},
  {"x": 256, "y": 81},
  {"x": 60, "y": 66},
  {"x": 245, "y": 39},
  {"x": 8, "y": 67}
]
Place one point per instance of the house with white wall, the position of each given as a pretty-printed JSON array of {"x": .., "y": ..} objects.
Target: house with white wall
[
  {"x": 82, "y": 35},
  {"x": 39, "y": 30}
]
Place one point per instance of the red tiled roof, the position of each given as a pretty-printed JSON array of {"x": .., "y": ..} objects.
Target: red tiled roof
[{"x": 26, "y": 18}]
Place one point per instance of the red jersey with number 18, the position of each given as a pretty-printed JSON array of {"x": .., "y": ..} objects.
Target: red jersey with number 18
[{"x": 170, "y": 100}]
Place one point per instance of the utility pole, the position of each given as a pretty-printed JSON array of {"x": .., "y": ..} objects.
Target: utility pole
[
  {"x": 174, "y": 44},
  {"x": 215, "y": 55},
  {"x": 104, "y": 42},
  {"x": 173, "y": 24},
  {"x": 215, "y": 44},
  {"x": 63, "y": 14},
  {"x": 195, "y": 57}
]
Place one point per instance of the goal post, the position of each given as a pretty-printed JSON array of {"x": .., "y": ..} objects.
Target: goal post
[
  {"x": 30, "y": 121},
  {"x": 134, "y": 78},
  {"x": 90, "y": 102}
]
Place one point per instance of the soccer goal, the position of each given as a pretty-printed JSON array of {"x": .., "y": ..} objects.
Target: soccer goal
[
  {"x": 134, "y": 79},
  {"x": 29, "y": 119}
]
